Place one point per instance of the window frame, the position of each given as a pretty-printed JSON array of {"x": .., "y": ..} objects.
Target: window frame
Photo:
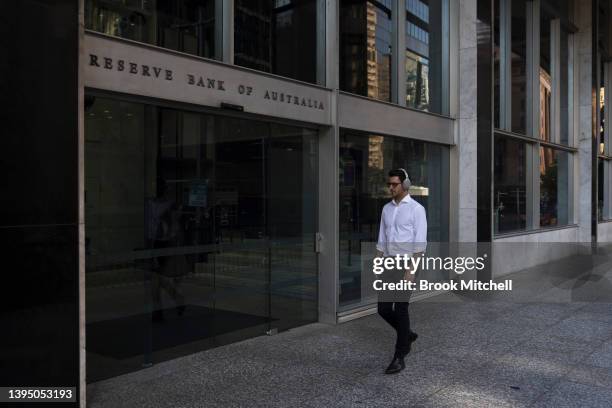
[{"x": 532, "y": 113}]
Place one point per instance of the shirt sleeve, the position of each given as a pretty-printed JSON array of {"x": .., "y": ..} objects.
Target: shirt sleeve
[
  {"x": 381, "y": 244},
  {"x": 420, "y": 235}
]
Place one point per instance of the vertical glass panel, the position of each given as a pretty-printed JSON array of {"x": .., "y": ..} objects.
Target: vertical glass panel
[
  {"x": 118, "y": 281},
  {"x": 242, "y": 261},
  {"x": 365, "y": 161},
  {"x": 566, "y": 83},
  {"x": 199, "y": 232},
  {"x": 365, "y": 48},
  {"x": 267, "y": 34},
  {"x": 496, "y": 66},
  {"x": 425, "y": 27},
  {"x": 519, "y": 66},
  {"x": 554, "y": 185},
  {"x": 292, "y": 219},
  {"x": 510, "y": 185},
  {"x": 600, "y": 189},
  {"x": 602, "y": 109},
  {"x": 545, "y": 78},
  {"x": 181, "y": 25}
]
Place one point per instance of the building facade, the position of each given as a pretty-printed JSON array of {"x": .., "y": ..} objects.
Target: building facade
[{"x": 204, "y": 171}]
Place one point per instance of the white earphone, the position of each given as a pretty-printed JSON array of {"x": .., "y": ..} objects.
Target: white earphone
[{"x": 406, "y": 183}]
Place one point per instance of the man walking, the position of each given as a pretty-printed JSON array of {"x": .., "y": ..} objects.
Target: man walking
[{"x": 403, "y": 230}]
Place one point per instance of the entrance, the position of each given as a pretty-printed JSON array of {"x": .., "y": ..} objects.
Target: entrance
[{"x": 199, "y": 232}]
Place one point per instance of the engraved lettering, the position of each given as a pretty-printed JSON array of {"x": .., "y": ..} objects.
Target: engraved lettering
[
  {"x": 210, "y": 82},
  {"x": 145, "y": 70},
  {"x": 201, "y": 82},
  {"x": 108, "y": 63},
  {"x": 267, "y": 95},
  {"x": 157, "y": 71},
  {"x": 168, "y": 75},
  {"x": 93, "y": 60},
  {"x": 220, "y": 85},
  {"x": 133, "y": 68},
  {"x": 190, "y": 79},
  {"x": 120, "y": 65}
]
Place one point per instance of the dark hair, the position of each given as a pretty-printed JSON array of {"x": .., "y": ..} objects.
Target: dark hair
[{"x": 398, "y": 173}]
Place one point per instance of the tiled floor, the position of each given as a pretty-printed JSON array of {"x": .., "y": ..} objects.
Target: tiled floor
[{"x": 519, "y": 350}]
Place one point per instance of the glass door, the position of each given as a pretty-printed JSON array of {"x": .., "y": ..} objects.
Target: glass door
[
  {"x": 199, "y": 232},
  {"x": 242, "y": 260},
  {"x": 292, "y": 219}
]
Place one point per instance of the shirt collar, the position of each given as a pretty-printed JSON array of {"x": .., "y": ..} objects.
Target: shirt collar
[{"x": 405, "y": 200}]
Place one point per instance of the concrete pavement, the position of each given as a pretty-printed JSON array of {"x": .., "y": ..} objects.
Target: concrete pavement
[{"x": 546, "y": 344}]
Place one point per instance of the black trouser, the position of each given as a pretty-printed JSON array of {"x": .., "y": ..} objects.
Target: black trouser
[{"x": 396, "y": 314}]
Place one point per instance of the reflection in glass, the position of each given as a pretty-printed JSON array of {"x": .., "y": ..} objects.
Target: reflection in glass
[
  {"x": 565, "y": 88},
  {"x": 545, "y": 77},
  {"x": 600, "y": 189},
  {"x": 365, "y": 161},
  {"x": 496, "y": 65},
  {"x": 365, "y": 48},
  {"x": 510, "y": 185},
  {"x": 267, "y": 34},
  {"x": 602, "y": 110},
  {"x": 199, "y": 232},
  {"x": 519, "y": 66},
  {"x": 554, "y": 185},
  {"x": 184, "y": 25},
  {"x": 424, "y": 47}
]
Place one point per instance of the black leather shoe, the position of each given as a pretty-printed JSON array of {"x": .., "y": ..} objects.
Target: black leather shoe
[
  {"x": 397, "y": 365},
  {"x": 412, "y": 337}
]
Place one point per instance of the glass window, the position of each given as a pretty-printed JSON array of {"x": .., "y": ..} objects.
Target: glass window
[
  {"x": 199, "y": 231},
  {"x": 566, "y": 84},
  {"x": 425, "y": 69},
  {"x": 510, "y": 185},
  {"x": 519, "y": 66},
  {"x": 185, "y": 25},
  {"x": 496, "y": 65},
  {"x": 365, "y": 48},
  {"x": 365, "y": 161},
  {"x": 602, "y": 109},
  {"x": 600, "y": 189},
  {"x": 545, "y": 80},
  {"x": 277, "y": 36},
  {"x": 554, "y": 186}
]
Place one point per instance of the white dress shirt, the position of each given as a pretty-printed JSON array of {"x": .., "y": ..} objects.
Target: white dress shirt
[{"x": 403, "y": 228}]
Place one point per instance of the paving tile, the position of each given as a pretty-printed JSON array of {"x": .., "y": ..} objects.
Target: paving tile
[
  {"x": 477, "y": 395},
  {"x": 601, "y": 357},
  {"x": 568, "y": 394},
  {"x": 604, "y": 308},
  {"x": 425, "y": 374},
  {"x": 589, "y": 375},
  {"x": 553, "y": 349},
  {"x": 581, "y": 329},
  {"x": 551, "y": 312},
  {"x": 530, "y": 376}
]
